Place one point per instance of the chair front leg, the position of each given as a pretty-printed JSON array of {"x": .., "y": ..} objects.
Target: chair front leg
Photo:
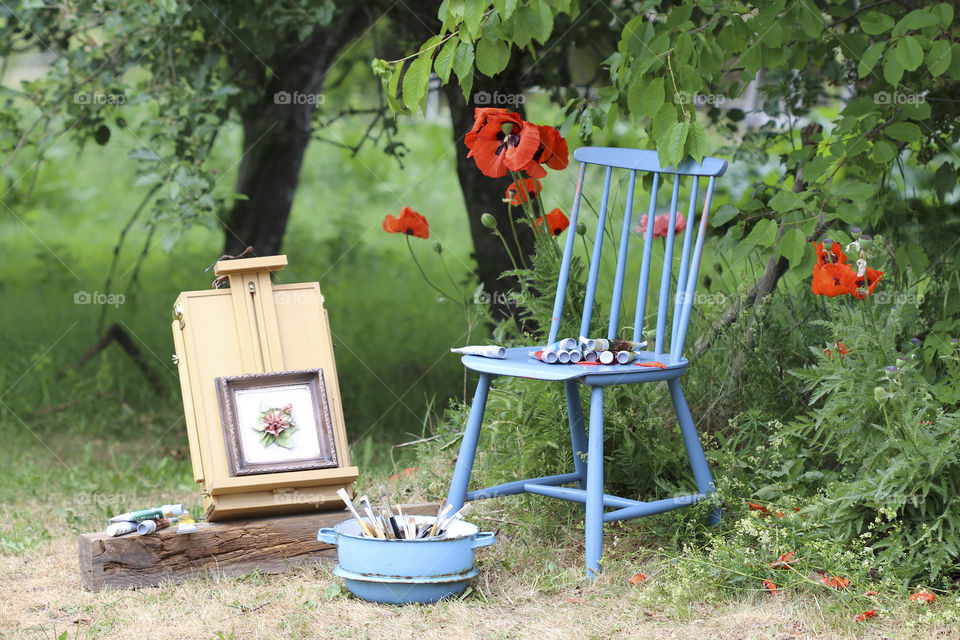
[
  {"x": 468, "y": 446},
  {"x": 698, "y": 461},
  {"x": 594, "y": 506},
  {"x": 578, "y": 437}
]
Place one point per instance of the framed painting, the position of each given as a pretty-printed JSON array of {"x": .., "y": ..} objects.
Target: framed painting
[{"x": 276, "y": 422}]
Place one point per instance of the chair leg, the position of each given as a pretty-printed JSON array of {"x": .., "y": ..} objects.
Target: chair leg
[
  {"x": 594, "y": 506},
  {"x": 698, "y": 461},
  {"x": 578, "y": 437},
  {"x": 468, "y": 446}
]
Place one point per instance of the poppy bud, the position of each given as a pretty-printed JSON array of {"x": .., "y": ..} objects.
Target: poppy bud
[
  {"x": 581, "y": 229},
  {"x": 827, "y": 244},
  {"x": 865, "y": 242},
  {"x": 880, "y": 394},
  {"x": 856, "y": 231},
  {"x": 488, "y": 221},
  {"x": 437, "y": 247}
]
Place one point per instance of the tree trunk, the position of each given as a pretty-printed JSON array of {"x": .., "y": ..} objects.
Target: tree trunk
[
  {"x": 276, "y": 131},
  {"x": 485, "y": 195}
]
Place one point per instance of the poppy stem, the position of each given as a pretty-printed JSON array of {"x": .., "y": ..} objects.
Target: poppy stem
[{"x": 424, "y": 273}]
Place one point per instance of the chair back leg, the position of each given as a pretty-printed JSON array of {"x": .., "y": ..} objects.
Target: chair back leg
[
  {"x": 594, "y": 506},
  {"x": 468, "y": 446},
  {"x": 698, "y": 461},
  {"x": 578, "y": 436}
]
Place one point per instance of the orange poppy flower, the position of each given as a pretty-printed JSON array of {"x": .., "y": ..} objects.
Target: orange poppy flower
[
  {"x": 836, "y": 582},
  {"x": 757, "y": 507},
  {"x": 770, "y": 586},
  {"x": 783, "y": 562},
  {"x": 637, "y": 579},
  {"x": 923, "y": 596},
  {"x": 553, "y": 149},
  {"x": 556, "y": 222},
  {"x": 842, "y": 350},
  {"x": 860, "y": 617},
  {"x": 833, "y": 280},
  {"x": 864, "y": 286},
  {"x": 519, "y": 194},
  {"x": 501, "y": 141},
  {"x": 409, "y": 222}
]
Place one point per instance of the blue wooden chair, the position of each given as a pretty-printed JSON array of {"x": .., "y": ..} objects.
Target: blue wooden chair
[{"x": 588, "y": 473}]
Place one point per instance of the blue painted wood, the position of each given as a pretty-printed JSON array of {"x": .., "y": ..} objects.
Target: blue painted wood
[
  {"x": 595, "y": 259},
  {"x": 639, "y": 317},
  {"x": 614, "y": 325},
  {"x": 677, "y": 305},
  {"x": 567, "y": 255},
  {"x": 645, "y": 160}
]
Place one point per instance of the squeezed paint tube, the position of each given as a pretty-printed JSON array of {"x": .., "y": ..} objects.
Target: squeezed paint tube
[
  {"x": 491, "y": 351},
  {"x": 588, "y": 344},
  {"x": 589, "y": 355},
  {"x": 607, "y": 357},
  {"x": 121, "y": 528},
  {"x": 563, "y": 357},
  {"x": 624, "y": 357},
  {"x": 627, "y": 345},
  {"x": 154, "y": 513},
  {"x": 545, "y": 355},
  {"x": 186, "y": 524},
  {"x": 565, "y": 344},
  {"x": 575, "y": 355},
  {"x": 601, "y": 344},
  {"x": 146, "y": 527}
]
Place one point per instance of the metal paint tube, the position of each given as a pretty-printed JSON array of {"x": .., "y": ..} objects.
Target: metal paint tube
[
  {"x": 562, "y": 345},
  {"x": 588, "y": 344},
  {"x": 624, "y": 357},
  {"x": 146, "y": 527},
  {"x": 627, "y": 345},
  {"x": 186, "y": 524},
  {"x": 546, "y": 355},
  {"x": 491, "y": 351},
  {"x": 154, "y": 513},
  {"x": 607, "y": 357},
  {"x": 575, "y": 355},
  {"x": 589, "y": 355},
  {"x": 121, "y": 528},
  {"x": 601, "y": 344},
  {"x": 563, "y": 357}
]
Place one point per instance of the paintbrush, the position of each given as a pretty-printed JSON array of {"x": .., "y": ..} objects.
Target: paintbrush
[
  {"x": 464, "y": 510},
  {"x": 440, "y": 516},
  {"x": 365, "y": 503},
  {"x": 347, "y": 501},
  {"x": 385, "y": 503}
]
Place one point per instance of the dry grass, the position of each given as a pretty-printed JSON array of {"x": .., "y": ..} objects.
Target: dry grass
[{"x": 42, "y": 598}]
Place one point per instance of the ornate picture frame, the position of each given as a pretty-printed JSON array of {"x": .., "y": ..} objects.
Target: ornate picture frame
[{"x": 276, "y": 422}]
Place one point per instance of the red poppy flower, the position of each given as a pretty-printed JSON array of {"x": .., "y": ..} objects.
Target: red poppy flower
[
  {"x": 661, "y": 224},
  {"x": 860, "y": 617},
  {"x": 519, "y": 194},
  {"x": 923, "y": 596},
  {"x": 770, "y": 586},
  {"x": 553, "y": 149},
  {"x": 836, "y": 582},
  {"x": 833, "y": 280},
  {"x": 502, "y": 141},
  {"x": 865, "y": 285},
  {"x": 556, "y": 222},
  {"x": 757, "y": 507},
  {"x": 783, "y": 562},
  {"x": 637, "y": 579},
  {"x": 841, "y": 349},
  {"x": 409, "y": 222}
]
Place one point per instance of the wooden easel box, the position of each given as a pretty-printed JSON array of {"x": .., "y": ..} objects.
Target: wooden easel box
[{"x": 254, "y": 327}]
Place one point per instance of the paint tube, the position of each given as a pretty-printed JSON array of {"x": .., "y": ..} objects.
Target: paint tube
[
  {"x": 545, "y": 355},
  {"x": 186, "y": 524},
  {"x": 146, "y": 527},
  {"x": 563, "y": 357},
  {"x": 562, "y": 345},
  {"x": 575, "y": 356},
  {"x": 627, "y": 345},
  {"x": 154, "y": 513},
  {"x": 601, "y": 344},
  {"x": 607, "y": 357},
  {"x": 588, "y": 344},
  {"x": 121, "y": 528},
  {"x": 491, "y": 351},
  {"x": 625, "y": 357},
  {"x": 589, "y": 355}
]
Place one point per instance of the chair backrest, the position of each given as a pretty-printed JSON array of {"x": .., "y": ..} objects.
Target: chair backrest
[{"x": 636, "y": 161}]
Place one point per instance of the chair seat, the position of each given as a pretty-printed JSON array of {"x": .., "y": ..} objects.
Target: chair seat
[{"x": 519, "y": 363}]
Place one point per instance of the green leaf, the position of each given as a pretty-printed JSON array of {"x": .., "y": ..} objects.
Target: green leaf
[
  {"x": 856, "y": 191},
  {"x": 332, "y": 591},
  {"x": 793, "y": 245},
  {"x": 883, "y": 152},
  {"x": 905, "y": 131},
  {"x": 763, "y": 234},
  {"x": 676, "y": 138},
  {"x": 473, "y": 17},
  {"x": 810, "y": 19},
  {"x": 444, "y": 61},
  {"x": 148, "y": 180},
  {"x": 492, "y": 56},
  {"x": 697, "y": 141},
  {"x": 416, "y": 81},
  {"x": 786, "y": 200},
  {"x": 144, "y": 154},
  {"x": 909, "y": 53},
  {"x": 945, "y": 180},
  {"x": 463, "y": 67},
  {"x": 892, "y": 70},
  {"x": 663, "y": 120},
  {"x": 169, "y": 239},
  {"x": 916, "y": 19},
  {"x": 635, "y": 97},
  {"x": 944, "y": 11},
  {"x": 870, "y": 57},
  {"x": 679, "y": 15},
  {"x": 653, "y": 96},
  {"x": 724, "y": 214},
  {"x": 505, "y": 8},
  {"x": 939, "y": 57},
  {"x": 875, "y": 23},
  {"x": 390, "y": 89}
]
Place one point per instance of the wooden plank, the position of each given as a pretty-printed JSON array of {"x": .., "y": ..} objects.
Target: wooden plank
[
  {"x": 270, "y": 545},
  {"x": 246, "y": 265}
]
